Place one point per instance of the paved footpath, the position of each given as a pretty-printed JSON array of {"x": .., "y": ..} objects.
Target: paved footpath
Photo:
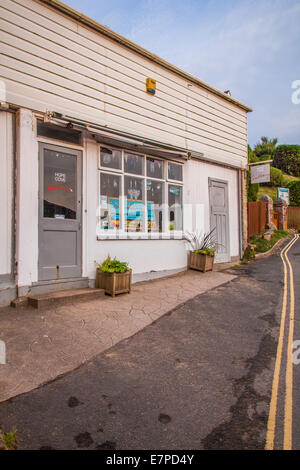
[
  {"x": 199, "y": 377},
  {"x": 43, "y": 344}
]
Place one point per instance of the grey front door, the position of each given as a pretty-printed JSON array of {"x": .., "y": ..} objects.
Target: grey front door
[
  {"x": 218, "y": 196},
  {"x": 59, "y": 212}
]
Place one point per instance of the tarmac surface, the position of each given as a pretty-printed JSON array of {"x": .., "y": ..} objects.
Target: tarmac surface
[{"x": 199, "y": 377}]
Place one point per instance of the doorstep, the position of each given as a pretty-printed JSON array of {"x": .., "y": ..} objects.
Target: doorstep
[
  {"x": 42, "y": 287},
  {"x": 64, "y": 297}
]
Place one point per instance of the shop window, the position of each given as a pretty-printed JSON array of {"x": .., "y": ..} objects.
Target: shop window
[
  {"x": 135, "y": 195},
  {"x": 110, "y": 158},
  {"x": 174, "y": 171},
  {"x": 154, "y": 168},
  {"x": 134, "y": 204},
  {"x": 155, "y": 191},
  {"x": 175, "y": 207},
  {"x": 110, "y": 201},
  {"x": 133, "y": 164}
]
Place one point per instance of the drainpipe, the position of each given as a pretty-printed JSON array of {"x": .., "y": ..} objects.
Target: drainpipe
[{"x": 240, "y": 214}]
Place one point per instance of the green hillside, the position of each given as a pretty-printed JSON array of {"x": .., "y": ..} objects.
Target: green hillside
[
  {"x": 285, "y": 169},
  {"x": 272, "y": 191}
]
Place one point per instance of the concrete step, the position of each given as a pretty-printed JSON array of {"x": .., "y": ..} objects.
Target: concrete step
[
  {"x": 41, "y": 287},
  {"x": 64, "y": 297},
  {"x": 19, "y": 302}
]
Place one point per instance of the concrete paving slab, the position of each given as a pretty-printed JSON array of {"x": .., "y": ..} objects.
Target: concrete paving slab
[{"x": 43, "y": 344}]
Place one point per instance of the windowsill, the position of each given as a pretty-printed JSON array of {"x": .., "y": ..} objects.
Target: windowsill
[{"x": 173, "y": 235}]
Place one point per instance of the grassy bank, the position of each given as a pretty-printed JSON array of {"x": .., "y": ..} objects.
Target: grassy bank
[
  {"x": 262, "y": 245},
  {"x": 272, "y": 190}
]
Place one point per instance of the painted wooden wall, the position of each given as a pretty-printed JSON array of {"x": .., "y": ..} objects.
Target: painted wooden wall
[{"x": 50, "y": 61}]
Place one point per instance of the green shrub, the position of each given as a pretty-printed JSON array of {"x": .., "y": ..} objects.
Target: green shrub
[
  {"x": 287, "y": 159},
  {"x": 249, "y": 254},
  {"x": 113, "y": 266},
  {"x": 251, "y": 155},
  {"x": 265, "y": 157},
  {"x": 206, "y": 251},
  {"x": 252, "y": 189},
  {"x": 294, "y": 187},
  {"x": 9, "y": 439}
]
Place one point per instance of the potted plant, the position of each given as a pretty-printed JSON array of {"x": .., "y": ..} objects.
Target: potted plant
[
  {"x": 202, "y": 252},
  {"x": 113, "y": 276}
]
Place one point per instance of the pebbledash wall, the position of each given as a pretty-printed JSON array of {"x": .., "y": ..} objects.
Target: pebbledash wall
[{"x": 55, "y": 60}]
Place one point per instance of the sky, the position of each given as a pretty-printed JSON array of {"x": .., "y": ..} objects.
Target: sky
[{"x": 251, "y": 47}]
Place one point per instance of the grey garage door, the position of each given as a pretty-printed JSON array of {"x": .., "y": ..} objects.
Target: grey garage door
[{"x": 59, "y": 213}]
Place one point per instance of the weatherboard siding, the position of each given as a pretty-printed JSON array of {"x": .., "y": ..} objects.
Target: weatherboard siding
[{"x": 51, "y": 62}]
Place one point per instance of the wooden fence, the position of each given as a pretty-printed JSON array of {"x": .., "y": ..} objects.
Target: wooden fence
[
  {"x": 293, "y": 217},
  {"x": 257, "y": 217}
]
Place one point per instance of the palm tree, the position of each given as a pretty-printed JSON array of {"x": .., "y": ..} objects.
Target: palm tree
[{"x": 265, "y": 149}]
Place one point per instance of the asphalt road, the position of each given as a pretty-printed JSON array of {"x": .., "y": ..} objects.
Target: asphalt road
[{"x": 200, "y": 377}]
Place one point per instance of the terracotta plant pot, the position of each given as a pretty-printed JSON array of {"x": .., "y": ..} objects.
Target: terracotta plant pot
[
  {"x": 201, "y": 262},
  {"x": 114, "y": 283}
]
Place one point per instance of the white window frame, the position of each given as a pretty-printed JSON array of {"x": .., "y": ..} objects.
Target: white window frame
[
  {"x": 121, "y": 233},
  {"x": 174, "y": 183},
  {"x": 167, "y": 175},
  {"x": 106, "y": 168}
]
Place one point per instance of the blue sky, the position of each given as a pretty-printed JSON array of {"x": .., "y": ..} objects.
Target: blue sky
[{"x": 251, "y": 47}]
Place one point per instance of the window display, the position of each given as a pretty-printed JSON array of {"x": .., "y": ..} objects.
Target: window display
[
  {"x": 110, "y": 158},
  {"x": 133, "y": 164},
  {"x": 110, "y": 192},
  {"x": 174, "y": 171},
  {"x": 154, "y": 168},
  {"x": 175, "y": 207},
  {"x": 155, "y": 205},
  {"x": 135, "y": 202}
]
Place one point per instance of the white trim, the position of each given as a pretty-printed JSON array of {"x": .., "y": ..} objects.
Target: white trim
[{"x": 117, "y": 235}]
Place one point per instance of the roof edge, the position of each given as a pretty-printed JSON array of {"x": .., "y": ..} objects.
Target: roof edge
[{"x": 78, "y": 16}]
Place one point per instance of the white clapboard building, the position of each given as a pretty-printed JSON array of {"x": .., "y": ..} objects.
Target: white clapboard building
[{"x": 105, "y": 148}]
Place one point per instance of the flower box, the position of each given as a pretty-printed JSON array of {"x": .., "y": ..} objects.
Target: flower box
[
  {"x": 114, "y": 283},
  {"x": 201, "y": 262}
]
